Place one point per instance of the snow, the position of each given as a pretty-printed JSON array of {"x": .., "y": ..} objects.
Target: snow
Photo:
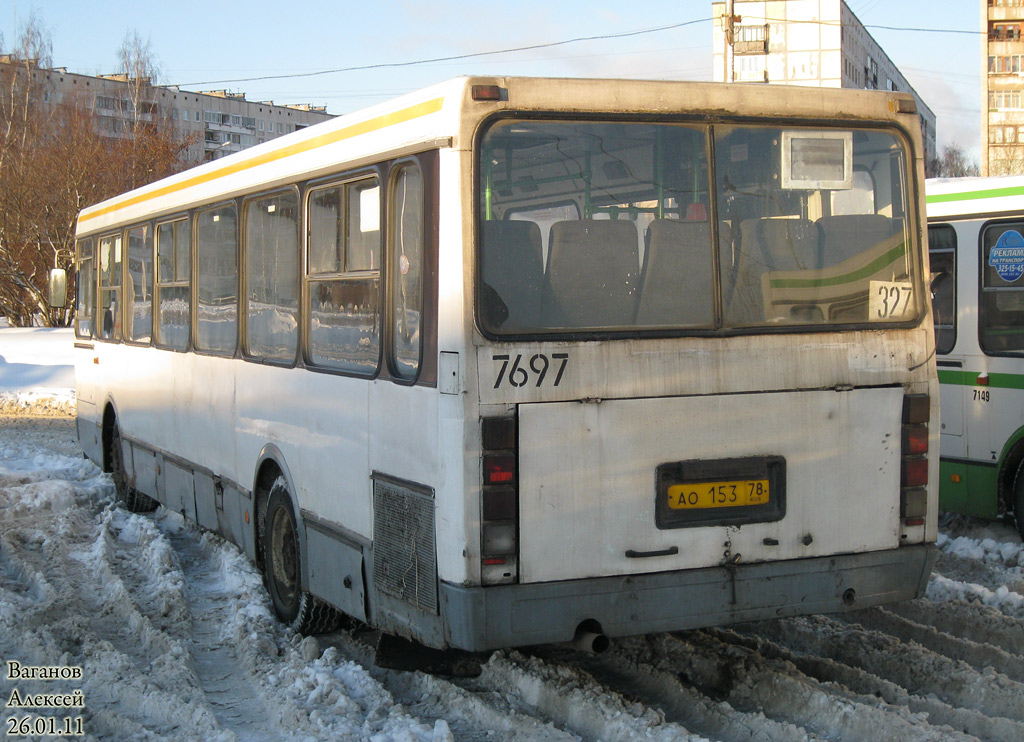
[
  {"x": 36, "y": 369},
  {"x": 176, "y": 640}
]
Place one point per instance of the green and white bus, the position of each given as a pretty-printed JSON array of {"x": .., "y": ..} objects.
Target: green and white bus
[{"x": 976, "y": 241}]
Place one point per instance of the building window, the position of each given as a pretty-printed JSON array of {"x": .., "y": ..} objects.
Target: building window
[
  {"x": 1004, "y": 32},
  {"x": 1005, "y": 64},
  {"x": 1004, "y": 99}
]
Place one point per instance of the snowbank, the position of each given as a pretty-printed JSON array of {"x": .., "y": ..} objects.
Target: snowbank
[{"x": 37, "y": 373}]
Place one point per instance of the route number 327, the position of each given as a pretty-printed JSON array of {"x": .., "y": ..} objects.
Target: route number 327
[
  {"x": 890, "y": 300},
  {"x": 522, "y": 370}
]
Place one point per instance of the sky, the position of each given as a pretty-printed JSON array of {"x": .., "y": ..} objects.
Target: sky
[{"x": 212, "y": 44}]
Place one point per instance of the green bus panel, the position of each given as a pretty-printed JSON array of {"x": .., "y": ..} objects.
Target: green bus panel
[{"x": 968, "y": 488}]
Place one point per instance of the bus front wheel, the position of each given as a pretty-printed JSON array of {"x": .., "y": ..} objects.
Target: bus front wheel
[{"x": 282, "y": 568}]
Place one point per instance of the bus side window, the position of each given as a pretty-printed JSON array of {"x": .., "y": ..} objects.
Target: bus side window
[
  {"x": 217, "y": 280},
  {"x": 110, "y": 287},
  {"x": 343, "y": 281},
  {"x": 272, "y": 277},
  {"x": 139, "y": 287},
  {"x": 85, "y": 290},
  {"x": 173, "y": 287},
  {"x": 942, "y": 254},
  {"x": 1001, "y": 309},
  {"x": 406, "y": 244}
]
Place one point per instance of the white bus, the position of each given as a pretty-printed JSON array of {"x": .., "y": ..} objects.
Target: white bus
[
  {"x": 507, "y": 361},
  {"x": 975, "y": 228}
]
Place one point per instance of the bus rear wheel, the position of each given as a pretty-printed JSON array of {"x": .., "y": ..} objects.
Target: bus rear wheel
[
  {"x": 131, "y": 498},
  {"x": 1018, "y": 500},
  {"x": 282, "y": 568}
]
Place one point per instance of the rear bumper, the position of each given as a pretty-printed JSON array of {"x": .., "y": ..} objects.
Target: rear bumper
[{"x": 482, "y": 618}]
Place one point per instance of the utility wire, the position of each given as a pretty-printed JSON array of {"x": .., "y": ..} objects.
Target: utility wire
[
  {"x": 383, "y": 65},
  {"x": 600, "y": 37}
]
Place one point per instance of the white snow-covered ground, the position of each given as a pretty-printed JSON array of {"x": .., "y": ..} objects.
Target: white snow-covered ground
[
  {"x": 36, "y": 369},
  {"x": 175, "y": 639}
]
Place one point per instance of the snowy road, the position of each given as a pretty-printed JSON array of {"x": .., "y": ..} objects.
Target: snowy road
[{"x": 174, "y": 635}]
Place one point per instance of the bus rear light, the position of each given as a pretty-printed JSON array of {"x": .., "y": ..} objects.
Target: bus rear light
[
  {"x": 499, "y": 468},
  {"x": 915, "y": 472},
  {"x": 499, "y": 539},
  {"x": 499, "y": 501},
  {"x": 914, "y": 462},
  {"x": 915, "y": 440},
  {"x": 498, "y": 433},
  {"x": 913, "y": 503},
  {"x": 916, "y": 409}
]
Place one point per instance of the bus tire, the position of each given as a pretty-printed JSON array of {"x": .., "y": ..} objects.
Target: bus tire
[
  {"x": 1018, "y": 500},
  {"x": 133, "y": 500},
  {"x": 282, "y": 568}
]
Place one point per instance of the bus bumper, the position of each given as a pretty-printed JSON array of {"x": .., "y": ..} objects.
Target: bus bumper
[{"x": 483, "y": 618}]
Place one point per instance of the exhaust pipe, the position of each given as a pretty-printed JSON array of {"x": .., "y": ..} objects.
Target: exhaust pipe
[{"x": 592, "y": 642}]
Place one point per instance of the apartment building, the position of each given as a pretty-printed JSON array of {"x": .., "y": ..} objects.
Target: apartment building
[
  {"x": 1002, "y": 87},
  {"x": 818, "y": 43},
  {"x": 222, "y": 122}
]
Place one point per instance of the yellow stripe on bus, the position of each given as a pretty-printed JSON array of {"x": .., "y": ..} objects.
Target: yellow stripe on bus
[{"x": 363, "y": 127}]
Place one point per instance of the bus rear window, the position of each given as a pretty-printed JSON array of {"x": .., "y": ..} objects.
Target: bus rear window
[{"x": 627, "y": 226}]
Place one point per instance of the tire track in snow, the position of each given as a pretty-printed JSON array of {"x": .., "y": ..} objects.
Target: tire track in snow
[
  {"x": 918, "y": 670},
  {"x": 473, "y": 709},
  {"x": 869, "y": 687},
  {"x": 978, "y": 655},
  {"x": 227, "y": 688},
  {"x": 974, "y": 621},
  {"x": 634, "y": 668}
]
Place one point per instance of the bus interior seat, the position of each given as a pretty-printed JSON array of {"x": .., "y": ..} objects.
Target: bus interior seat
[
  {"x": 770, "y": 244},
  {"x": 592, "y": 274},
  {"x": 846, "y": 235},
  {"x": 514, "y": 269},
  {"x": 677, "y": 278}
]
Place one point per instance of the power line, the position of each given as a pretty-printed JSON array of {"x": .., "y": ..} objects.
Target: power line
[
  {"x": 548, "y": 45},
  {"x": 384, "y": 65}
]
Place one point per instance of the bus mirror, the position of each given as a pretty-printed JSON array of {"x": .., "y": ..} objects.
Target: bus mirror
[{"x": 58, "y": 287}]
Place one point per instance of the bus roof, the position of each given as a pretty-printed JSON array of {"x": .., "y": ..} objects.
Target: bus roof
[
  {"x": 432, "y": 117},
  {"x": 966, "y": 197}
]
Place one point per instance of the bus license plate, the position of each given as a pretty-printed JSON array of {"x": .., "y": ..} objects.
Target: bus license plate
[{"x": 727, "y": 494}]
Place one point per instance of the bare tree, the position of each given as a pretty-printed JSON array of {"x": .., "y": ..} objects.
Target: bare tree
[
  {"x": 54, "y": 160},
  {"x": 952, "y": 162},
  {"x": 22, "y": 124}
]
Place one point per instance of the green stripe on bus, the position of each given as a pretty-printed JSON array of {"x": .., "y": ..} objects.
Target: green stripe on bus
[
  {"x": 940, "y": 198},
  {"x": 970, "y": 378},
  {"x": 858, "y": 275}
]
